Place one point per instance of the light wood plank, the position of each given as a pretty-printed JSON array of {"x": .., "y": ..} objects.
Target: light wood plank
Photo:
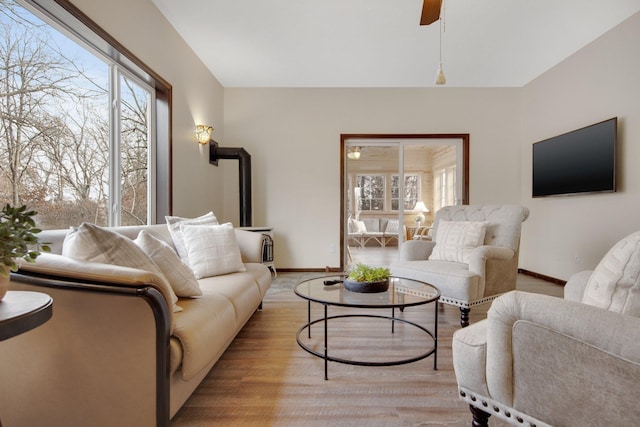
[{"x": 265, "y": 379}]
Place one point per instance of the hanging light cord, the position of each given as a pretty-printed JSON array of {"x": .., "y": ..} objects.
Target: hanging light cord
[{"x": 442, "y": 26}]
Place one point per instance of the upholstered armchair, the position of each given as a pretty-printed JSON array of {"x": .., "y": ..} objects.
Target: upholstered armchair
[
  {"x": 541, "y": 361},
  {"x": 472, "y": 257}
]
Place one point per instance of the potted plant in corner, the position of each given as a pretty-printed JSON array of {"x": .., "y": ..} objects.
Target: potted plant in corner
[
  {"x": 17, "y": 241},
  {"x": 367, "y": 279}
]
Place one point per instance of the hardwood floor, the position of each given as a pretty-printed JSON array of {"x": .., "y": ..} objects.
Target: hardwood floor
[{"x": 266, "y": 379}]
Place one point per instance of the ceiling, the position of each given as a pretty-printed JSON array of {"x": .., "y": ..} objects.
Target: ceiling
[{"x": 379, "y": 43}]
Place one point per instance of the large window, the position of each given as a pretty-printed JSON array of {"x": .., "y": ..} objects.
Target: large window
[{"x": 78, "y": 126}]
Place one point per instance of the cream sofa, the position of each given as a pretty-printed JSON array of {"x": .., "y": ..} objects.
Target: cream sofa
[
  {"x": 114, "y": 352},
  {"x": 544, "y": 361}
]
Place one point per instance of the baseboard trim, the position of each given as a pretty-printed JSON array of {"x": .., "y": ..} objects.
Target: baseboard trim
[
  {"x": 327, "y": 269},
  {"x": 542, "y": 276}
]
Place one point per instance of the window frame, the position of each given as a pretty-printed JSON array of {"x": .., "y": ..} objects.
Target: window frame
[
  {"x": 370, "y": 199},
  {"x": 69, "y": 19},
  {"x": 418, "y": 178}
]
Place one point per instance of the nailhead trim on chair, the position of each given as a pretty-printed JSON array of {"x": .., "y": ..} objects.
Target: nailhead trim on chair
[
  {"x": 458, "y": 303},
  {"x": 501, "y": 411}
]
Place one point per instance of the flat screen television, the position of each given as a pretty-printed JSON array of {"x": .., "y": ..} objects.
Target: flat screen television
[{"x": 577, "y": 162}]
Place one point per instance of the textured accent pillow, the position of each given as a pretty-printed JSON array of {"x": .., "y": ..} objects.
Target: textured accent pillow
[
  {"x": 456, "y": 239},
  {"x": 180, "y": 277},
  {"x": 615, "y": 283},
  {"x": 361, "y": 227},
  {"x": 212, "y": 249},
  {"x": 90, "y": 242},
  {"x": 173, "y": 223}
]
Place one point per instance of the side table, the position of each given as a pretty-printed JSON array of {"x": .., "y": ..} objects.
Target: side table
[{"x": 22, "y": 311}]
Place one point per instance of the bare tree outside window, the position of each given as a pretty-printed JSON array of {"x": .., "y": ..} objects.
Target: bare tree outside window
[
  {"x": 372, "y": 192},
  {"x": 411, "y": 192},
  {"x": 55, "y": 131}
]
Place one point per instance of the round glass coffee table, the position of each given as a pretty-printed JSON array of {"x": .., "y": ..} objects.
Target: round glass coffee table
[{"x": 402, "y": 293}]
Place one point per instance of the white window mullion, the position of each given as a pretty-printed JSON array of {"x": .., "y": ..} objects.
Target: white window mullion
[
  {"x": 151, "y": 164},
  {"x": 114, "y": 148}
]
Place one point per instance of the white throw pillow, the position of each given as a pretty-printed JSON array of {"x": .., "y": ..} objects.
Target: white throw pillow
[
  {"x": 456, "y": 239},
  {"x": 180, "y": 277},
  {"x": 361, "y": 227},
  {"x": 90, "y": 242},
  {"x": 212, "y": 249},
  {"x": 173, "y": 223}
]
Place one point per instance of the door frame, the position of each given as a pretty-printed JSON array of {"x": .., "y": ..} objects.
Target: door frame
[{"x": 408, "y": 136}]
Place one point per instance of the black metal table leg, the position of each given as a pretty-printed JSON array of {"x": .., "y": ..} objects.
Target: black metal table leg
[
  {"x": 309, "y": 318},
  {"x": 326, "y": 360},
  {"x": 435, "y": 339},
  {"x": 393, "y": 322}
]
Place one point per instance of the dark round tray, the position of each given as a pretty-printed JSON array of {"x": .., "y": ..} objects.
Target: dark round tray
[{"x": 366, "y": 287}]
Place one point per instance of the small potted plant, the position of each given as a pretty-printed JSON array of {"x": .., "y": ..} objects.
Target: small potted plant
[
  {"x": 368, "y": 279},
  {"x": 17, "y": 241}
]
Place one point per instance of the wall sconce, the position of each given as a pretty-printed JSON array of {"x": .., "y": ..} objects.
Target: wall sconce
[
  {"x": 353, "y": 153},
  {"x": 203, "y": 133}
]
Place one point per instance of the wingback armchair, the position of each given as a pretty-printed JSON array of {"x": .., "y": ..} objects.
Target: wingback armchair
[
  {"x": 543, "y": 361},
  {"x": 472, "y": 257}
]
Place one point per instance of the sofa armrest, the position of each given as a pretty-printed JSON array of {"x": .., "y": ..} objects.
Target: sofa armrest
[
  {"x": 575, "y": 286},
  {"x": 106, "y": 347},
  {"x": 416, "y": 250},
  {"x": 599, "y": 334},
  {"x": 496, "y": 267},
  {"x": 70, "y": 269},
  {"x": 480, "y": 255},
  {"x": 251, "y": 244}
]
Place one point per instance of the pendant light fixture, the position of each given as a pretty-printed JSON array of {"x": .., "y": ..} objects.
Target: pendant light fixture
[{"x": 440, "y": 78}]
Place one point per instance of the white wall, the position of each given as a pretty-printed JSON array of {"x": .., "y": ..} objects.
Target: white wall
[
  {"x": 293, "y": 136},
  {"x": 197, "y": 95},
  {"x": 598, "y": 82}
]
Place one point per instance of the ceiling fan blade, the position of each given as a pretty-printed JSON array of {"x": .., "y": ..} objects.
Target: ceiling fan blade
[{"x": 430, "y": 11}]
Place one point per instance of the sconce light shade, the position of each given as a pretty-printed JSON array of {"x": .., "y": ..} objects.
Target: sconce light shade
[
  {"x": 203, "y": 133},
  {"x": 353, "y": 153}
]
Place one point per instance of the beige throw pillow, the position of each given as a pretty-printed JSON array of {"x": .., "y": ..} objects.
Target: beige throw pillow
[
  {"x": 456, "y": 239},
  {"x": 182, "y": 280},
  {"x": 212, "y": 249},
  {"x": 90, "y": 242},
  {"x": 173, "y": 223}
]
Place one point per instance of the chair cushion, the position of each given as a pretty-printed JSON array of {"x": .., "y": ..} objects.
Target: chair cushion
[
  {"x": 360, "y": 227},
  {"x": 456, "y": 239},
  {"x": 615, "y": 283},
  {"x": 454, "y": 280}
]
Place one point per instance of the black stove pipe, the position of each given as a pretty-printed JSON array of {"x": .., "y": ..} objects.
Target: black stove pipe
[{"x": 244, "y": 173}]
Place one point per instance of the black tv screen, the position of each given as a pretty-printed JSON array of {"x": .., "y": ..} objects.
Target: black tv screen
[{"x": 581, "y": 161}]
